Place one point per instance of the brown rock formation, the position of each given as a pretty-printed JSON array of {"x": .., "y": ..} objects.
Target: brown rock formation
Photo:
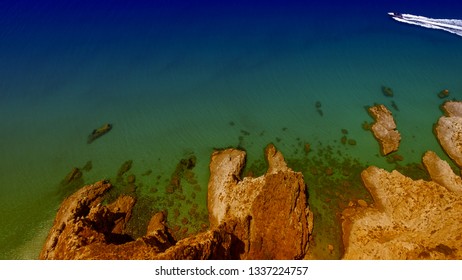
[
  {"x": 452, "y": 108},
  {"x": 410, "y": 220},
  {"x": 449, "y": 131},
  {"x": 72, "y": 208},
  {"x": 441, "y": 172},
  {"x": 384, "y": 129},
  {"x": 272, "y": 218},
  {"x": 260, "y": 218},
  {"x": 84, "y": 229}
]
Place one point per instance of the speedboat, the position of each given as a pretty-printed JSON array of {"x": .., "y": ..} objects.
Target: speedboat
[
  {"x": 395, "y": 15},
  {"x": 449, "y": 25}
]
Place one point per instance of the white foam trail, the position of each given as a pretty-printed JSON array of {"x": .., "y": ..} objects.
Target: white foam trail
[{"x": 450, "y": 25}]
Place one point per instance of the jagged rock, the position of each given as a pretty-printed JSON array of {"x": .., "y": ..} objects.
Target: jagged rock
[
  {"x": 412, "y": 219},
  {"x": 225, "y": 168},
  {"x": 441, "y": 172},
  {"x": 85, "y": 229},
  {"x": 275, "y": 159},
  {"x": 113, "y": 217},
  {"x": 452, "y": 108},
  {"x": 449, "y": 130},
  {"x": 241, "y": 227},
  {"x": 71, "y": 211},
  {"x": 384, "y": 129},
  {"x": 273, "y": 218},
  {"x": 156, "y": 223},
  {"x": 449, "y": 135},
  {"x": 216, "y": 243},
  {"x": 409, "y": 220}
]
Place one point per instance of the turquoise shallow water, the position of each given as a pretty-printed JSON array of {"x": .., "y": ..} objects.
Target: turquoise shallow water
[{"x": 188, "y": 87}]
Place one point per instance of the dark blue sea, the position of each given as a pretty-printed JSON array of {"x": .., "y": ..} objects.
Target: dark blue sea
[{"x": 177, "y": 79}]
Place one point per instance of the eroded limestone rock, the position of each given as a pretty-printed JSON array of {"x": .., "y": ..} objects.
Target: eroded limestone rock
[
  {"x": 452, "y": 108},
  {"x": 412, "y": 219},
  {"x": 409, "y": 220},
  {"x": 272, "y": 217},
  {"x": 254, "y": 218},
  {"x": 449, "y": 131},
  {"x": 85, "y": 229},
  {"x": 384, "y": 129},
  {"x": 441, "y": 172},
  {"x": 72, "y": 209}
]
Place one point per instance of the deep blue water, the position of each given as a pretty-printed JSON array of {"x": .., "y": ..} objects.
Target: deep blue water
[{"x": 172, "y": 75}]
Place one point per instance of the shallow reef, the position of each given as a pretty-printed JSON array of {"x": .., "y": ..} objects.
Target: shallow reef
[
  {"x": 332, "y": 176},
  {"x": 176, "y": 195}
]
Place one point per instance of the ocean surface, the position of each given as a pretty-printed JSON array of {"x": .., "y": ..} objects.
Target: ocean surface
[{"x": 178, "y": 79}]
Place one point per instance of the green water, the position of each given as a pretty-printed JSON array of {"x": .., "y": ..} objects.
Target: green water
[{"x": 201, "y": 105}]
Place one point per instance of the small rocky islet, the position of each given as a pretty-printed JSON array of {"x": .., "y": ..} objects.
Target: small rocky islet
[{"x": 392, "y": 210}]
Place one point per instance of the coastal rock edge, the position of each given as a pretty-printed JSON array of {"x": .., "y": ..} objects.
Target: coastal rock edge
[{"x": 251, "y": 218}]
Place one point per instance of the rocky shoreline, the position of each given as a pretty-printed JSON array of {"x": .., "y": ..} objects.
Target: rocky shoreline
[
  {"x": 412, "y": 219},
  {"x": 268, "y": 217},
  {"x": 238, "y": 214}
]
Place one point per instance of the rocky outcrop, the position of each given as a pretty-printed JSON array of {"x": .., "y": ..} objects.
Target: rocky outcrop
[
  {"x": 254, "y": 218},
  {"x": 72, "y": 209},
  {"x": 449, "y": 130},
  {"x": 85, "y": 229},
  {"x": 272, "y": 217},
  {"x": 441, "y": 172},
  {"x": 452, "y": 108},
  {"x": 410, "y": 220},
  {"x": 384, "y": 129}
]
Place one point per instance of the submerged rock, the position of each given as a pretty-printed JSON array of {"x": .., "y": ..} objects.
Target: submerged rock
[
  {"x": 70, "y": 183},
  {"x": 318, "y": 107},
  {"x": 388, "y": 92},
  {"x": 97, "y": 133},
  {"x": 394, "y": 106},
  {"x": 88, "y": 166},
  {"x": 124, "y": 168},
  {"x": 443, "y": 94},
  {"x": 366, "y": 126},
  {"x": 384, "y": 129},
  {"x": 73, "y": 176},
  {"x": 307, "y": 147}
]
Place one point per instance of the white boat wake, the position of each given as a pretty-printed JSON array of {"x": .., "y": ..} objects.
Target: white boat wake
[{"x": 450, "y": 25}]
